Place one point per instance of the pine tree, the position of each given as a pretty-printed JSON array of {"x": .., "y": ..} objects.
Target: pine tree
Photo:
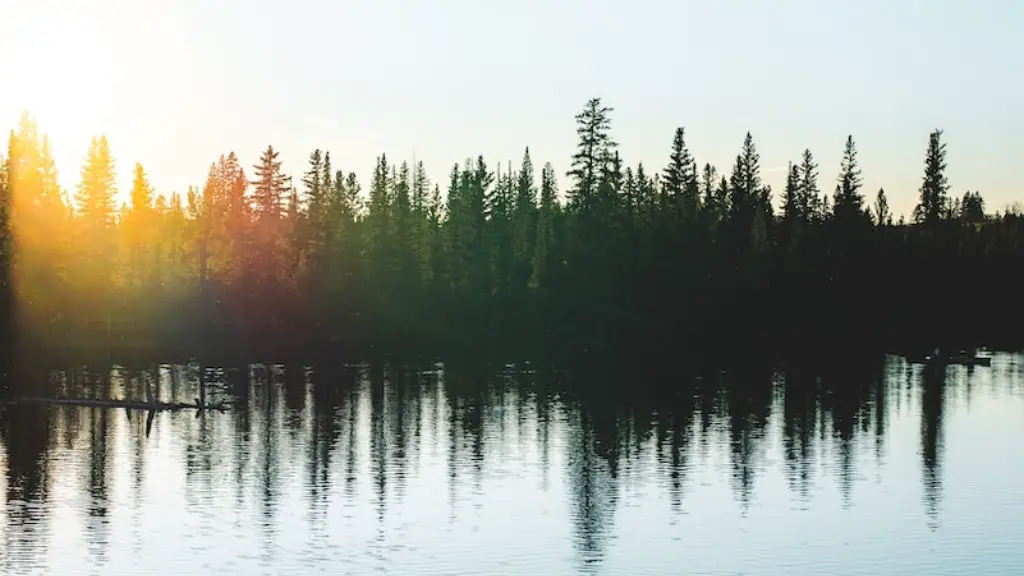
[
  {"x": 972, "y": 208},
  {"x": 544, "y": 246},
  {"x": 747, "y": 199},
  {"x": 883, "y": 216},
  {"x": 524, "y": 220},
  {"x": 811, "y": 201},
  {"x": 935, "y": 188},
  {"x": 422, "y": 222},
  {"x": 95, "y": 197},
  {"x": 270, "y": 188},
  {"x": 420, "y": 189},
  {"x": 378, "y": 219},
  {"x": 404, "y": 229},
  {"x": 793, "y": 215},
  {"x": 270, "y": 267},
  {"x": 709, "y": 178},
  {"x": 316, "y": 182},
  {"x": 141, "y": 196},
  {"x": 849, "y": 202},
  {"x": 312, "y": 179},
  {"x": 792, "y": 207},
  {"x": 680, "y": 182},
  {"x": 593, "y": 151},
  {"x": 138, "y": 225},
  {"x": 237, "y": 217},
  {"x": 95, "y": 201}
]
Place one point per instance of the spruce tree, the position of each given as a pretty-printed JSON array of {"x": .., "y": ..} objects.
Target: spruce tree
[
  {"x": 316, "y": 182},
  {"x": 792, "y": 207},
  {"x": 95, "y": 201},
  {"x": 883, "y": 216},
  {"x": 935, "y": 187},
  {"x": 972, "y": 208},
  {"x": 680, "y": 182},
  {"x": 849, "y": 202},
  {"x": 708, "y": 180},
  {"x": 811, "y": 202},
  {"x": 138, "y": 227},
  {"x": 95, "y": 197},
  {"x": 524, "y": 220},
  {"x": 271, "y": 265},
  {"x": 793, "y": 215},
  {"x": 544, "y": 247},
  {"x": 746, "y": 198},
  {"x": 593, "y": 151},
  {"x": 270, "y": 188}
]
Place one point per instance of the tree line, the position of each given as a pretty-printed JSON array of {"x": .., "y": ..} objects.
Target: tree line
[{"x": 624, "y": 261}]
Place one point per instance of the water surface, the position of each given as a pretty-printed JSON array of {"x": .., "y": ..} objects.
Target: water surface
[{"x": 893, "y": 469}]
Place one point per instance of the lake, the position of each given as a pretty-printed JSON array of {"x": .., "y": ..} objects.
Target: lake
[{"x": 892, "y": 468}]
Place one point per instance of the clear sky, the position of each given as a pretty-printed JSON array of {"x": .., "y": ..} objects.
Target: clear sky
[{"x": 176, "y": 84}]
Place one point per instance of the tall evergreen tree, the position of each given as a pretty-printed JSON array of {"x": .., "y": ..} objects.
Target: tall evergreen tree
[
  {"x": 95, "y": 201},
  {"x": 849, "y": 202},
  {"x": 793, "y": 215},
  {"x": 525, "y": 220},
  {"x": 544, "y": 247},
  {"x": 270, "y": 263},
  {"x": 811, "y": 201},
  {"x": 95, "y": 197},
  {"x": 680, "y": 182},
  {"x": 935, "y": 187},
  {"x": 593, "y": 151},
  {"x": 749, "y": 200},
  {"x": 270, "y": 188},
  {"x": 139, "y": 227},
  {"x": 883, "y": 216}
]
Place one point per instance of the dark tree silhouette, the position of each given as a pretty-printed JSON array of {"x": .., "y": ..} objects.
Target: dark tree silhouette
[{"x": 629, "y": 264}]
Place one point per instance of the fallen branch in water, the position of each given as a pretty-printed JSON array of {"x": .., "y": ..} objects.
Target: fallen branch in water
[{"x": 126, "y": 404}]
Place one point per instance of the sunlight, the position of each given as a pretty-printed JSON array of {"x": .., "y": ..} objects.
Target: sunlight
[{"x": 63, "y": 75}]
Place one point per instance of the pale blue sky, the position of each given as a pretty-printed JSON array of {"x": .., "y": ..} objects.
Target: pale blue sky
[{"x": 176, "y": 84}]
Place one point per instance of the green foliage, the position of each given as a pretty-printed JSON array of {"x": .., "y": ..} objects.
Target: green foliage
[{"x": 629, "y": 257}]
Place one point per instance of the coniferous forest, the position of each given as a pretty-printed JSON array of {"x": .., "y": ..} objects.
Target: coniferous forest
[{"x": 604, "y": 261}]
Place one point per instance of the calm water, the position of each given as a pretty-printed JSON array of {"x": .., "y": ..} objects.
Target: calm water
[{"x": 895, "y": 471}]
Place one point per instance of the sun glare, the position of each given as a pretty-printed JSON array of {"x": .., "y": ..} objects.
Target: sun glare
[{"x": 61, "y": 75}]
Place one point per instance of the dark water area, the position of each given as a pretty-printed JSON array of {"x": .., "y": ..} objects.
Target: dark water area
[{"x": 881, "y": 467}]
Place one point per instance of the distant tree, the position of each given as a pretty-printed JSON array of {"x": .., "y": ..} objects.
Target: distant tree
[
  {"x": 270, "y": 188},
  {"x": 139, "y": 227},
  {"x": 593, "y": 151},
  {"x": 749, "y": 200},
  {"x": 793, "y": 215},
  {"x": 792, "y": 205},
  {"x": 269, "y": 237},
  {"x": 544, "y": 247},
  {"x": 525, "y": 220},
  {"x": 972, "y": 208},
  {"x": 141, "y": 196},
  {"x": 95, "y": 201},
  {"x": 883, "y": 216},
  {"x": 811, "y": 201},
  {"x": 677, "y": 261},
  {"x": 680, "y": 180},
  {"x": 935, "y": 187},
  {"x": 95, "y": 197},
  {"x": 849, "y": 202}
]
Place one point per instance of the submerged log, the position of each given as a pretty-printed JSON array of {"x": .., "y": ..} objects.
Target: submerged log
[{"x": 126, "y": 404}]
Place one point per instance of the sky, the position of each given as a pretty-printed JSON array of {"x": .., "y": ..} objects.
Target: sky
[{"x": 176, "y": 84}]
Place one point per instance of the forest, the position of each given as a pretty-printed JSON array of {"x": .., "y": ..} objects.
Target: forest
[{"x": 605, "y": 261}]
